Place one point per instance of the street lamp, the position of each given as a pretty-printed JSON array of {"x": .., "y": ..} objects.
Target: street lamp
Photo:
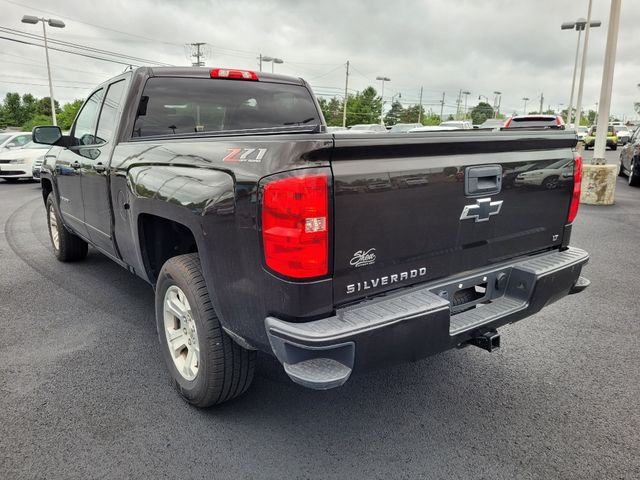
[
  {"x": 265, "y": 58},
  {"x": 578, "y": 25},
  {"x": 526, "y": 99},
  {"x": 496, "y": 103},
  {"x": 52, "y": 23},
  {"x": 382, "y": 79}
]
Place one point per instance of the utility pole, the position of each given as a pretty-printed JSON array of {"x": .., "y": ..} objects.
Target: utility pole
[
  {"x": 346, "y": 97},
  {"x": 466, "y": 96},
  {"x": 541, "y": 102},
  {"x": 420, "y": 107},
  {"x": 442, "y": 106},
  {"x": 458, "y": 102},
  {"x": 198, "y": 54}
]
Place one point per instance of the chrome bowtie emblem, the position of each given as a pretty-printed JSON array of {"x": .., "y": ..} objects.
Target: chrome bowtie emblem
[{"x": 482, "y": 210}]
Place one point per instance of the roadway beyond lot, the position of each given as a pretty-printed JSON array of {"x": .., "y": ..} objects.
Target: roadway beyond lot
[{"x": 84, "y": 392}]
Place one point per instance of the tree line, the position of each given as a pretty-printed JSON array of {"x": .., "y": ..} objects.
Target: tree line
[{"x": 27, "y": 111}]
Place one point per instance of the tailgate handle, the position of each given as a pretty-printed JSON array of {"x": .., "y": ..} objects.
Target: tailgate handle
[{"x": 483, "y": 180}]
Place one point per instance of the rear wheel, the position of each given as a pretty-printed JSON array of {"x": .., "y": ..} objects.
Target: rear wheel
[
  {"x": 67, "y": 247},
  {"x": 633, "y": 178},
  {"x": 614, "y": 147},
  {"x": 207, "y": 367}
]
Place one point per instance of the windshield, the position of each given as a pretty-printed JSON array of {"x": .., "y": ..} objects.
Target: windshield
[
  {"x": 172, "y": 105},
  {"x": 361, "y": 127},
  {"x": 4, "y": 137}
]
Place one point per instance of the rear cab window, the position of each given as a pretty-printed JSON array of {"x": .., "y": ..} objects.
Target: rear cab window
[{"x": 174, "y": 105}]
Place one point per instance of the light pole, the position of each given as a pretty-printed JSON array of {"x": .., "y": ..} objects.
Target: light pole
[
  {"x": 578, "y": 25},
  {"x": 496, "y": 103},
  {"x": 466, "y": 96},
  {"x": 264, "y": 58},
  {"x": 526, "y": 99},
  {"x": 52, "y": 23},
  {"x": 583, "y": 67},
  {"x": 382, "y": 79}
]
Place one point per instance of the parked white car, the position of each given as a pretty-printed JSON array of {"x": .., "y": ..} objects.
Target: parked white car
[
  {"x": 13, "y": 140},
  {"x": 459, "y": 124},
  {"x": 623, "y": 135},
  {"x": 17, "y": 164},
  {"x": 550, "y": 177}
]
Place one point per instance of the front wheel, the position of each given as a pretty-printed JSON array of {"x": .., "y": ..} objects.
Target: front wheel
[
  {"x": 207, "y": 367},
  {"x": 67, "y": 247}
]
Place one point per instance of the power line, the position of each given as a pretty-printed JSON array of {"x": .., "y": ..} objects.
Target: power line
[
  {"x": 46, "y": 85},
  {"x": 68, "y": 51},
  {"x": 63, "y": 43}
]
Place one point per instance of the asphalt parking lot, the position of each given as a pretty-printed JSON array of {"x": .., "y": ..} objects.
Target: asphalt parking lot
[{"x": 84, "y": 392}]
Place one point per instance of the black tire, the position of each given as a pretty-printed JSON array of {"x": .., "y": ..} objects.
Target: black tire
[
  {"x": 551, "y": 182},
  {"x": 70, "y": 247},
  {"x": 224, "y": 369},
  {"x": 614, "y": 147},
  {"x": 633, "y": 178},
  {"x": 621, "y": 168}
]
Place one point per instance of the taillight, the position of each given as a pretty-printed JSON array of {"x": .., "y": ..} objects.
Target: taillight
[
  {"x": 577, "y": 186},
  {"x": 295, "y": 225},
  {"x": 234, "y": 74}
]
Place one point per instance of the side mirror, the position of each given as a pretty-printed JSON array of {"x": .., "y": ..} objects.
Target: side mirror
[{"x": 49, "y": 134}]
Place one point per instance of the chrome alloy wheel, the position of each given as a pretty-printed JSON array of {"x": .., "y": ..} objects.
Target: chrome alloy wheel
[
  {"x": 182, "y": 335},
  {"x": 53, "y": 228}
]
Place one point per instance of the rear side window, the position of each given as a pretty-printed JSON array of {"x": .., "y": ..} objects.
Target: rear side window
[{"x": 171, "y": 106}]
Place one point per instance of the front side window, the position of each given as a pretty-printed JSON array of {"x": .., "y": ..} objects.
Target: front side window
[
  {"x": 172, "y": 105},
  {"x": 85, "y": 127}
]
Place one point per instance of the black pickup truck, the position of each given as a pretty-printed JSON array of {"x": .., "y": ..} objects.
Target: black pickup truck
[{"x": 261, "y": 231}]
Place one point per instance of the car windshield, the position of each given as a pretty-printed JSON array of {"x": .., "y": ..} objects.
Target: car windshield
[
  {"x": 4, "y": 137},
  {"x": 37, "y": 146},
  {"x": 583, "y": 129},
  {"x": 362, "y": 127}
]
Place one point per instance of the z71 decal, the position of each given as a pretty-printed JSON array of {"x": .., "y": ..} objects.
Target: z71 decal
[{"x": 245, "y": 154}]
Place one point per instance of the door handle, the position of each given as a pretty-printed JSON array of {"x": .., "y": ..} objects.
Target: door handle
[
  {"x": 75, "y": 165},
  {"x": 99, "y": 167},
  {"x": 483, "y": 180}
]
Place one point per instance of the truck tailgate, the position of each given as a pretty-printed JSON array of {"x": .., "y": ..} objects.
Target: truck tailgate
[{"x": 415, "y": 207}]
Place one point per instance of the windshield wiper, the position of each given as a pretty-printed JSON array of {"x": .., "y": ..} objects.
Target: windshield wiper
[{"x": 300, "y": 123}]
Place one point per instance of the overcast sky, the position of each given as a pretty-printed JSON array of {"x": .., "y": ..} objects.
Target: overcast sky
[{"x": 515, "y": 47}]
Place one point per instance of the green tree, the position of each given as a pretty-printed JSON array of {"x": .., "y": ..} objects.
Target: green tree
[
  {"x": 35, "y": 121},
  {"x": 395, "y": 114},
  {"x": 68, "y": 114},
  {"x": 43, "y": 106},
  {"x": 481, "y": 112},
  {"x": 431, "y": 119},
  {"x": 364, "y": 107},
  {"x": 12, "y": 111}
]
